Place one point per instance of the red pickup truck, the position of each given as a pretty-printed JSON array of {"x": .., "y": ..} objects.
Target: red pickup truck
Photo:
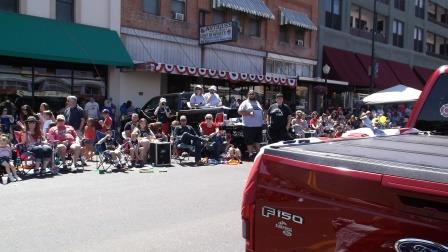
[{"x": 360, "y": 194}]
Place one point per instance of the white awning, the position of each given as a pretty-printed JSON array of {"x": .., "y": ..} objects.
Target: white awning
[
  {"x": 296, "y": 18},
  {"x": 253, "y": 7},
  {"x": 395, "y": 94}
]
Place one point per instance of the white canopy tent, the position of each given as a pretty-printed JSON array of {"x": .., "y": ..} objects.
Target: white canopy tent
[{"x": 395, "y": 94}]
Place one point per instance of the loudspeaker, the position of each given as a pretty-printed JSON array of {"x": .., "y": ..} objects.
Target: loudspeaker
[{"x": 160, "y": 154}]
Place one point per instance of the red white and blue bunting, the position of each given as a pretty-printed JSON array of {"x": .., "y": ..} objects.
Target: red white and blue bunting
[{"x": 219, "y": 74}]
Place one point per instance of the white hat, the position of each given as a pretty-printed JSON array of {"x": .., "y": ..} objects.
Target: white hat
[
  {"x": 60, "y": 117},
  {"x": 162, "y": 100},
  {"x": 198, "y": 87},
  {"x": 212, "y": 88}
]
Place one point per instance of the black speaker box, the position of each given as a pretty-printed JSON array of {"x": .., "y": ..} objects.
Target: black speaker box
[{"x": 160, "y": 154}]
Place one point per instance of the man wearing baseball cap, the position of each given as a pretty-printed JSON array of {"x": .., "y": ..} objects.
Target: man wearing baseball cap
[
  {"x": 163, "y": 113},
  {"x": 106, "y": 124},
  {"x": 66, "y": 139},
  {"x": 278, "y": 120}
]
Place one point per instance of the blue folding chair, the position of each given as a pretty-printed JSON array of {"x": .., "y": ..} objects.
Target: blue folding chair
[{"x": 104, "y": 159}]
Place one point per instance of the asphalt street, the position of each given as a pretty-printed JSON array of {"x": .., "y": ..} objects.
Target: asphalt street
[{"x": 183, "y": 209}]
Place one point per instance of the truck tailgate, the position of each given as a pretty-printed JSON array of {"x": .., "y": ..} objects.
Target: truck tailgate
[{"x": 355, "y": 195}]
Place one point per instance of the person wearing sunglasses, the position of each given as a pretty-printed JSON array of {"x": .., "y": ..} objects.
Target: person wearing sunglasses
[
  {"x": 252, "y": 114},
  {"x": 35, "y": 142},
  {"x": 210, "y": 130}
]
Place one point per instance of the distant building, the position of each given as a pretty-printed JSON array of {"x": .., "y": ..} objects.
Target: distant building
[
  {"x": 411, "y": 41},
  {"x": 276, "y": 42},
  {"x": 53, "y": 48}
]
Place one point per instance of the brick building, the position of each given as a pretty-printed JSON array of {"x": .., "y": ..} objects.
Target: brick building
[
  {"x": 410, "y": 42},
  {"x": 277, "y": 39}
]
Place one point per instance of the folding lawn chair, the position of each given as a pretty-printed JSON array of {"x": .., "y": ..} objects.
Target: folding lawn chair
[{"x": 104, "y": 159}]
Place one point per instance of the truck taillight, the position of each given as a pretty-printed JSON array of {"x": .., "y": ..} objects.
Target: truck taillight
[
  {"x": 248, "y": 205},
  {"x": 247, "y": 225},
  {"x": 246, "y": 232}
]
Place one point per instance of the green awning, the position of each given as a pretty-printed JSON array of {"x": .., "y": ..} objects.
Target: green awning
[{"x": 46, "y": 39}]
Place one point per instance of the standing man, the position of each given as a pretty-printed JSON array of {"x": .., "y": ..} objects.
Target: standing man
[
  {"x": 252, "y": 113},
  {"x": 92, "y": 109},
  {"x": 74, "y": 114},
  {"x": 212, "y": 98},
  {"x": 279, "y": 120},
  {"x": 163, "y": 113}
]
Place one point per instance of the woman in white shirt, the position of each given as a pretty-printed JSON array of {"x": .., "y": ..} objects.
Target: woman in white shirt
[{"x": 197, "y": 99}]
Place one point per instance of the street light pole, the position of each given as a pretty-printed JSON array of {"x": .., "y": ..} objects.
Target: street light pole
[
  {"x": 326, "y": 70},
  {"x": 372, "y": 56}
]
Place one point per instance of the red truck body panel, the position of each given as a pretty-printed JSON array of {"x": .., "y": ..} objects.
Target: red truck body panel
[{"x": 333, "y": 196}]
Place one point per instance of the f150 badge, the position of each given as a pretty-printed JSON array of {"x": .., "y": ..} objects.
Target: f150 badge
[
  {"x": 272, "y": 212},
  {"x": 418, "y": 245}
]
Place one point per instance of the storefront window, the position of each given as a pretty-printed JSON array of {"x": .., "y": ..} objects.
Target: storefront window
[
  {"x": 15, "y": 69},
  {"x": 43, "y": 71},
  {"x": 84, "y": 89},
  {"x": 46, "y": 83},
  {"x": 15, "y": 85},
  {"x": 302, "y": 98}
]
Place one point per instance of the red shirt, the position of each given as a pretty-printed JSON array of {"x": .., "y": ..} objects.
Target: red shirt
[
  {"x": 313, "y": 122},
  {"x": 208, "y": 130},
  {"x": 89, "y": 133},
  {"x": 107, "y": 124},
  {"x": 64, "y": 133}
]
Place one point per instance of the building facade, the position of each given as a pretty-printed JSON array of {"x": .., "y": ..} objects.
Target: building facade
[
  {"x": 410, "y": 41},
  {"x": 54, "y": 48},
  {"x": 276, "y": 40}
]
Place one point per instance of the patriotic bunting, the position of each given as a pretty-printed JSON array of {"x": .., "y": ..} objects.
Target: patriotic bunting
[{"x": 219, "y": 74}]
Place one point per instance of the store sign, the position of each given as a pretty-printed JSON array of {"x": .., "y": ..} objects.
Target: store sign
[{"x": 218, "y": 33}]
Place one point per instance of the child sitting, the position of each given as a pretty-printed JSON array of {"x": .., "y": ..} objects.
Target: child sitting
[
  {"x": 174, "y": 124},
  {"x": 5, "y": 157},
  {"x": 156, "y": 128},
  {"x": 89, "y": 138},
  {"x": 233, "y": 155},
  {"x": 135, "y": 150},
  {"x": 112, "y": 150}
]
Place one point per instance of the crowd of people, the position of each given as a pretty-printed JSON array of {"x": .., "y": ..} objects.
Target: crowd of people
[{"x": 77, "y": 132}]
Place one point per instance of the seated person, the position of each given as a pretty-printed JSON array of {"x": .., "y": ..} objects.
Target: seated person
[
  {"x": 157, "y": 129},
  {"x": 112, "y": 150},
  {"x": 185, "y": 134},
  {"x": 174, "y": 124},
  {"x": 212, "y": 98},
  {"x": 35, "y": 142},
  {"x": 145, "y": 136},
  {"x": 299, "y": 125},
  {"x": 210, "y": 131},
  {"x": 135, "y": 151},
  {"x": 233, "y": 154},
  {"x": 130, "y": 126},
  {"x": 65, "y": 138},
  {"x": 5, "y": 157},
  {"x": 197, "y": 99}
]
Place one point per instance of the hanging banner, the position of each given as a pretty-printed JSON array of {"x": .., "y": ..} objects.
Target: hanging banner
[{"x": 218, "y": 33}]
